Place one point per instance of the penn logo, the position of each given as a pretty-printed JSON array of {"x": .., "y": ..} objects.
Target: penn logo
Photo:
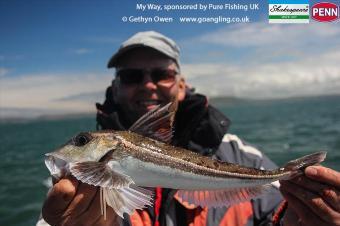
[{"x": 325, "y": 12}]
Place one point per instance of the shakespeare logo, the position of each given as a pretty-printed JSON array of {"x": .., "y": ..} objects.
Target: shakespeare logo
[
  {"x": 288, "y": 11},
  {"x": 325, "y": 12}
]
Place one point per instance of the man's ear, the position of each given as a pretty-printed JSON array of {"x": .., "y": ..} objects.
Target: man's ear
[{"x": 181, "y": 89}]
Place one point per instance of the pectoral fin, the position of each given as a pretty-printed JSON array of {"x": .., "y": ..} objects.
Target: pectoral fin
[
  {"x": 125, "y": 200},
  {"x": 116, "y": 189},
  {"x": 217, "y": 198},
  {"x": 99, "y": 174}
]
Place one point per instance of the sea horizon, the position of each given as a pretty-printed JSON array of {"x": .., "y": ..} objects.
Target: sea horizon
[{"x": 18, "y": 114}]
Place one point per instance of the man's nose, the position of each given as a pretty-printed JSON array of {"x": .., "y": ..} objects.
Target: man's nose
[{"x": 148, "y": 82}]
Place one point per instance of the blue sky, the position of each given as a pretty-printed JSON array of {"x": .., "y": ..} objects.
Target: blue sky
[
  {"x": 53, "y": 54},
  {"x": 47, "y": 35}
]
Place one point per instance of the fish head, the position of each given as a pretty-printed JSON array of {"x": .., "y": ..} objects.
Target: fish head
[{"x": 84, "y": 147}]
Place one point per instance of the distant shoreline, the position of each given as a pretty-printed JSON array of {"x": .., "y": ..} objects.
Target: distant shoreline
[
  {"x": 43, "y": 114},
  {"x": 47, "y": 117}
]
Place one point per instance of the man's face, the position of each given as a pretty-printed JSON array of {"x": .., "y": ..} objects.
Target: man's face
[{"x": 135, "y": 99}]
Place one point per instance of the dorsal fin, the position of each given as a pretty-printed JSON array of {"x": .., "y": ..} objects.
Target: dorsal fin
[{"x": 157, "y": 123}]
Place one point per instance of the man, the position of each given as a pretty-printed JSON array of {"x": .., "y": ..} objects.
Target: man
[{"x": 148, "y": 73}]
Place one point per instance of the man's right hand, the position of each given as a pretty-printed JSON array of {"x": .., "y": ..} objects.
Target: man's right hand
[{"x": 71, "y": 202}]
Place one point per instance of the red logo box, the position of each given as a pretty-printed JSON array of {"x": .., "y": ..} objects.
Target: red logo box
[{"x": 325, "y": 12}]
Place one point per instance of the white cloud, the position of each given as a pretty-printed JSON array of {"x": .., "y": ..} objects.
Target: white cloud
[
  {"x": 263, "y": 34},
  {"x": 51, "y": 91},
  {"x": 308, "y": 65},
  {"x": 81, "y": 51},
  {"x": 258, "y": 43},
  {"x": 13, "y": 57},
  {"x": 3, "y": 71},
  {"x": 268, "y": 80},
  {"x": 104, "y": 39},
  {"x": 261, "y": 60}
]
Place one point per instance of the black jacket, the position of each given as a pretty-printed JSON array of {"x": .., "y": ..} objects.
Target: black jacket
[{"x": 198, "y": 126}]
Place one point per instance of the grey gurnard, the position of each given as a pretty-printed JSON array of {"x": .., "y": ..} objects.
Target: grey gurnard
[{"x": 125, "y": 164}]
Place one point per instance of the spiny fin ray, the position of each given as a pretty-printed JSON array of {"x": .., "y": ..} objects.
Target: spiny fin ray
[
  {"x": 218, "y": 198},
  {"x": 126, "y": 200},
  {"x": 157, "y": 123}
]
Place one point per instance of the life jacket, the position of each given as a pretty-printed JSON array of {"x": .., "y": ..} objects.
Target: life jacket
[{"x": 237, "y": 215}]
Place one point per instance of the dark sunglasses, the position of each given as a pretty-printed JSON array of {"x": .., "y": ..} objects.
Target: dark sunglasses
[{"x": 136, "y": 76}]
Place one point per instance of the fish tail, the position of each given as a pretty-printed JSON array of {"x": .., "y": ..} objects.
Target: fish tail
[{"x": 297, "y": 166}]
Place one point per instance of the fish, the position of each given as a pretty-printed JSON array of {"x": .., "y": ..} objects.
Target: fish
[{"x": 126, "y": 164}]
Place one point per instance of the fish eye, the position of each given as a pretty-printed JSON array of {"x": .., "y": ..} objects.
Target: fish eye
[{"x": 81, "y": 139}]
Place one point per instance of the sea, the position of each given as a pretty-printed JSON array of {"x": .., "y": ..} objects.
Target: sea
[{"x": 282, "y": 129}]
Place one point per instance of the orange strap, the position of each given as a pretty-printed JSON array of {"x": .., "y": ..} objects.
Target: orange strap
[
  {"x": 158, "y": 203},
  {"x": 197, "y": 217},
  {"x": 237, "y": 215},
  {"x": 280, "y": 213},
  {"x": 140, "y": 218}
]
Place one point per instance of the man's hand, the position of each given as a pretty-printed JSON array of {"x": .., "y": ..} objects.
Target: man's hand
[
  {"x": 313, "y": 199},
  {"x": 71, "y": 202}
]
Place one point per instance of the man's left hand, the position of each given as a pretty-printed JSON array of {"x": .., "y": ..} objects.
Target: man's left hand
[{"x": 313, "y": 199}]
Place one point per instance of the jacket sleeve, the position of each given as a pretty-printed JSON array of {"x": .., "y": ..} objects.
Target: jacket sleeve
[{"x": 234, "y": 150}]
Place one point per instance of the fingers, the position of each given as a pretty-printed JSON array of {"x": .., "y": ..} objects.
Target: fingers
[
  {"x": 303, "y": 200},
  {"x": 94, "y": 217},
  {"x": 290, "y": 218},
  {"x": 111, "y": 219},
  {"x": 73, "y": 203},
  {"x": 303, "y": 211},
  {"x": 323, "y": 174},
  {"x": 81, "y": 201},
  {"x": 85, "y": 210},
  {"x": 59, "y": 199},
  {"x": 328, "y": 193}
]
